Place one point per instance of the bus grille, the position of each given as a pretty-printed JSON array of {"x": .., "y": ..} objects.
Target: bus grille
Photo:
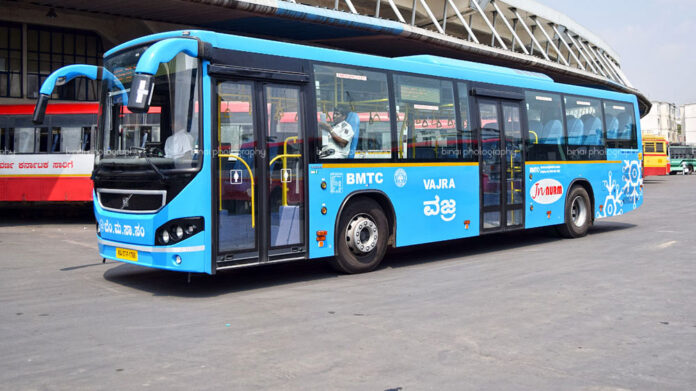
[{"x": 133, "y": 201}]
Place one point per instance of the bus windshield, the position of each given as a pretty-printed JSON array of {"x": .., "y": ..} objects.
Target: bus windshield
[{"x": 167, "y": 136}]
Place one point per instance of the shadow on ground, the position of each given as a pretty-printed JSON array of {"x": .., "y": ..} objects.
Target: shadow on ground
[
  {"x": 654, "y": 179},
  {"x": 22, "y": 214},
  {"x": 166, "y": 283}
]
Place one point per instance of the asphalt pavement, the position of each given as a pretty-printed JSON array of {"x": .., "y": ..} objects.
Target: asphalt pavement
[{"x": 527, "y": 311}]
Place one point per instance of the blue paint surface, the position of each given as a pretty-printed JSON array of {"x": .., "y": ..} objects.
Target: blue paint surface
[
  {"x": 164, "y": 51},
  {"x": 193, "y": 201},
  {"x": 68, "y": 72},
  {"x": 431, "y": 203},
  {"x": 616, "y": 185}
]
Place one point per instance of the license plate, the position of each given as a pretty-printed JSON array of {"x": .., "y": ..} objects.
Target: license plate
[{"x": 127, "y": 254}]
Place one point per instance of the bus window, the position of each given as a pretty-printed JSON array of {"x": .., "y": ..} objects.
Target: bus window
[
  {"x": 660, "y": 147},
  {"x": 468, "y": 140},
  {"x": 70, "y": 140},
  {"x": 236, "y": 120},
  {"x": 620, "y": 124},
  {"x": 426, "y": 122},
  {"x": 236, "y": 147},
  {"x": 353, "y": 113},
  {"x": 545, "y": 124},
  {"x": 24, "y": 140},
  {"x": 86, "y": 139},
  {"x": 42, "y": 141},
  {"x": 3, "y": 142},
  {"x": 56, "y": 141},
  {"x": 649, "y": 147},
  {"x": 584, "y": 128}
]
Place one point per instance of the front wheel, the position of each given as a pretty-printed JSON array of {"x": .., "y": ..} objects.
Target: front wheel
[
  {"x": 578, "y": 214},
  {"x": 361, "y": 237}
]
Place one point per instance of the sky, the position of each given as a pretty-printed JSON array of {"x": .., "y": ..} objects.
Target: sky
[{"x": 655, "y": 41}]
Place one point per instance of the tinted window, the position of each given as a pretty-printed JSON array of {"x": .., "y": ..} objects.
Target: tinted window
[
  {"x": 426, "y": 122},
  {"x": 545, "y": 120},
  {"x": 3, "y": 141},
  {"x": 660, "y": 147},
  {"x": 86, "y": 138},
  {"x": 585, "y": 128},
  {"x": 24, "y": 140},
  {"x": 620, "y": 124},
  {"x": 466, "y": 135},
  {"x": 353, "y": 113},
  {"x": 583, "y": 121},
  {"x": 70, "y": 141},
  {"x": 649, "y": 147},
  {"x": 42, "y": 135}
]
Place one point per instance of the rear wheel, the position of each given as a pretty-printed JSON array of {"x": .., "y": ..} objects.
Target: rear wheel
[
  {"x": 361, "y": 237},
  {"x": 578, "y": 214}
]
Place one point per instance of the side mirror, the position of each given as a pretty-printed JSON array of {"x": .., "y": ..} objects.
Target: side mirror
[
  {"x": 40, "y": 109},
  {"x": 59, "y": 78},
  {"x": 141, "y": 92},
  {"x": 163, "y": 51}
]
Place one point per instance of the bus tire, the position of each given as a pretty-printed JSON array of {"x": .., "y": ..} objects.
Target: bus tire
[
  {"x": 578, "y": 214},
  {"x": 690, "y": 169},
  {"x": 361, "y": 237}
]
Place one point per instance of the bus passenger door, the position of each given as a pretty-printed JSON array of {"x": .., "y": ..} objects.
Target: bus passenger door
[
  {"x": 501, "y": 164},
  {"x": 260, "y": 173},
  {"x": 285, "y": 179},
  {"x": 237, "y": 172}
]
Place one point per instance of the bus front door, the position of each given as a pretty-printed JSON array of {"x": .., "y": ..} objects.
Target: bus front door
[
  {"x": 501, "y": 165},
  {"x": 260, "y": 171}
]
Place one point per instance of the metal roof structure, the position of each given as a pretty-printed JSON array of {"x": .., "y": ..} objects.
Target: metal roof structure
[{"x": 521, "y": 34}]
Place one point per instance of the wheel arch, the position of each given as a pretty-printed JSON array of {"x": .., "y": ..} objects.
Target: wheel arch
[
  {"x": 384, "y": 202},
  {"x": 583, "y": 182}
]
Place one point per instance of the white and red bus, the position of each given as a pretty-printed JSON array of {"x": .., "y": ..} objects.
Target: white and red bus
[{"x": 51, "y": 162}]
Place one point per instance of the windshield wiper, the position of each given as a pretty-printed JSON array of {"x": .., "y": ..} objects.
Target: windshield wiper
[
  {"x": 143, "y": 154},
  {"x": 163, "y": 177}
]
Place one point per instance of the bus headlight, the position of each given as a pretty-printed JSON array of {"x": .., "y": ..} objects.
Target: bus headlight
[{"x": 177, "y": 230}]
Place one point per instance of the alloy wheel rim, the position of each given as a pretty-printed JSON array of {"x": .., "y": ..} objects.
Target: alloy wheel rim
[
  {"x": 578, "y": 211},
  {"x": 361, "y": 234}
]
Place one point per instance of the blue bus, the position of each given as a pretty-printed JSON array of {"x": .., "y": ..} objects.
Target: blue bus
[{"x": 271, "y": 152}]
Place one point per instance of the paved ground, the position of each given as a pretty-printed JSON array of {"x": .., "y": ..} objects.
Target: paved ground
[{"x": 614, "y": 310}]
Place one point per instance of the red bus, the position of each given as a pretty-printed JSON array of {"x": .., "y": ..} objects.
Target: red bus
[{"x": 51, "y": 162}]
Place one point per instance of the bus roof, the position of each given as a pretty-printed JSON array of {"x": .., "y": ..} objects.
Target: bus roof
[
  {"x": 650, "y": 137},
  {"x": 422, "y": 64}
]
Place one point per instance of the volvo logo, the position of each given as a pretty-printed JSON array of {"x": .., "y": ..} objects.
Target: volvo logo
[{"x": 125, "y": 200}]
